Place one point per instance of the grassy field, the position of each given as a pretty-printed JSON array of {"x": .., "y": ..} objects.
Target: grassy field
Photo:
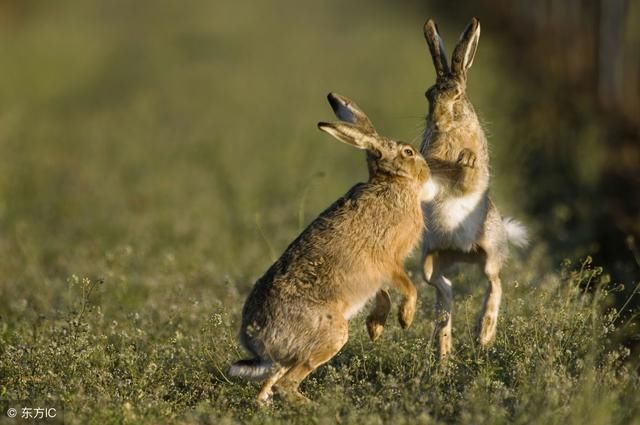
[{"x": 156, "y": 157}]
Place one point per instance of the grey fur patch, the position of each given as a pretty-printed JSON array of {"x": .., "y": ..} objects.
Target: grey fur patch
[{"x": 251, "y": 369}]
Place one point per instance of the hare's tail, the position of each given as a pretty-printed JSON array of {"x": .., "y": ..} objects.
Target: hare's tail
[
  {"x": 252, "y": 369},
  {"x": 516, "y": 232}
]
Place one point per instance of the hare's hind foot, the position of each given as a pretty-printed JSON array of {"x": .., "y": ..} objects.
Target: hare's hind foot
[
  {"x": 266, "y": 392},
  {"x": 298, "y": 398},
  {"x": 288, "y": 386},
  {"x": 292, "y": 395},
  {"x": 486, "y": 330},
  {"x": 488, "y": 319},
  {"x": 442, "y": 331},
  {"x": 378, "y": 316}
]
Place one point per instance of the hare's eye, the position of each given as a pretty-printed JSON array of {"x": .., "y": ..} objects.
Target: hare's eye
[{"x": 408, "y": 151}]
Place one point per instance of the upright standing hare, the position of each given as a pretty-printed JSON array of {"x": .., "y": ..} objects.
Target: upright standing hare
[
  {"x": 295, "y": 318},
  {"x": 461, "y": 221}
]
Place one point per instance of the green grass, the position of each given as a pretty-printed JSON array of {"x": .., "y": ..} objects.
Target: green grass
[
  {"x": 155, "y": 158},
  {"x": 164, "y": 357}
]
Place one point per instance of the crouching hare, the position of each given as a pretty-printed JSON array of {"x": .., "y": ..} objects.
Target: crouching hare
[
  {"x": 296, "y": 317},
  {"x": 461, "y": 221}
]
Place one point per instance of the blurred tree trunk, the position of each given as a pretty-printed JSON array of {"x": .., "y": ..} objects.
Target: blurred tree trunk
[
  {"x": 592, "y": 42},
  {"x": 592, "y": 46},
  {"x": 611, "y": 65},
  {"x": 592, "y": 49}
]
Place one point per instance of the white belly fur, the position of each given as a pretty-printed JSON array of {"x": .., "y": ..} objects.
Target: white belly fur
[
  {"x": 361, "y": 287},
  {"x": 461, "y": 211},
  {"x": 453, "y": 222},
  {"x": 354, "y": 308}
]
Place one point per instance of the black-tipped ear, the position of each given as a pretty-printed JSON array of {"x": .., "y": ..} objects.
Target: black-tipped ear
[
  {"x": 436, "y": 47},
  {"x": 465, "y": 50},
  {"x": 347, "y": 110},
  {"x": 349, "y": 134}
]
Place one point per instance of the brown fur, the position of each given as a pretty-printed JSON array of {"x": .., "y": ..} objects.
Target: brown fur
[
  {"x": 295, "y": 318},
  {"x": 462, "y": 224},
  {"x": 461, "y": 221}
]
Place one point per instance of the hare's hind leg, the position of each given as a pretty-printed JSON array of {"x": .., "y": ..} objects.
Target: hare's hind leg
[
  {"x": 433, "y": 266},
  {"x": 488, "y": 319},
  {"x": 266, "y": 392},
  {"x": 329, "y": 343},
  {"x": 378, "y": 316},
  {"x": 494, "y": 247}
]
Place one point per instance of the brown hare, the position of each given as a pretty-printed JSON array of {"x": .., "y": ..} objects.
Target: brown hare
[
  {"x": 462, "y": 224},
  {"x": 296, "y": 317}
]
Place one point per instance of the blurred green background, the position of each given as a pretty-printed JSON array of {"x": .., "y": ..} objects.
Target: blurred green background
[{"x": 188, "y": 129}]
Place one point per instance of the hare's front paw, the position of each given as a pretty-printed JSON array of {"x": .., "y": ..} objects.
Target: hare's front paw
[
  {"x": 374, "y": 328},
  {"x": 406, "y": 312},
  {"x": 378, "y": 316},
  {"x": 467, "y": 158}
]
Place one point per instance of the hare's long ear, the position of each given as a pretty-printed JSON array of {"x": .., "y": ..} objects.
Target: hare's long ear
[
  {"x": 436, "y": 47},
  {"x": 350, "y": 134},
  {"x": 465, "y": 50},
  {"x": 347, "y": 110}
]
